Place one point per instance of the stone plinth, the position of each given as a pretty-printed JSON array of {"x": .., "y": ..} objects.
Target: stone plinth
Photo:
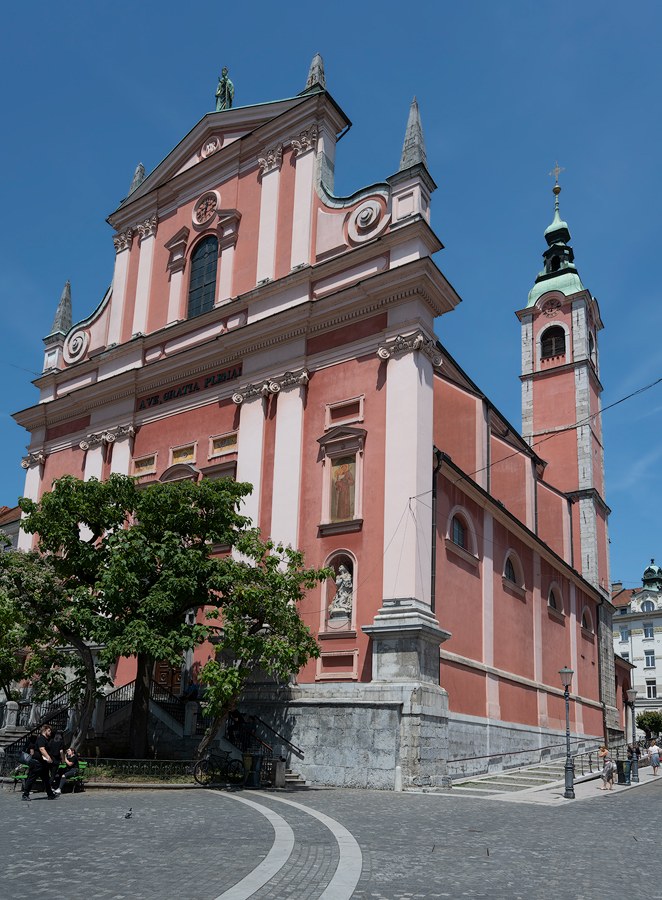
[{"x": 405, "y": 642}]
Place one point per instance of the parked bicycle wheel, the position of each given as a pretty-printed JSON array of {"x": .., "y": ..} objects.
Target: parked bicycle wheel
[
  {"x": 204, "y": 772},
  {"x": 236, "y": 771}
]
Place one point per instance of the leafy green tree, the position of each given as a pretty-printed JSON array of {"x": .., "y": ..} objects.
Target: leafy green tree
[
  {"x": 651, "y": 720},
  {"x": 137, "y": 560},
  {"x": 45, "y": 621}
]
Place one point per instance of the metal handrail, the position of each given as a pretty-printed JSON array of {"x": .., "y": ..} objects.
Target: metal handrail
[
  {"x": 167, "y": 701},
  {"x": 298, "y": 750},
  {"x": 119, "y": 698}
]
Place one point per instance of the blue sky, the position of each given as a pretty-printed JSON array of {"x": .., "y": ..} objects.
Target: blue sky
[{"x": 91, "y": 89}]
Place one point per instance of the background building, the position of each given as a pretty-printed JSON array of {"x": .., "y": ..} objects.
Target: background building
[
  {"x": 260, "y": 327},
  {"x": 638, "y": 634}
]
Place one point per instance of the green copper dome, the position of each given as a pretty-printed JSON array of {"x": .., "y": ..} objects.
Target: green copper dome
[
  {"x": 560, "y": 272},
  {"x": 652, "y": 577}
]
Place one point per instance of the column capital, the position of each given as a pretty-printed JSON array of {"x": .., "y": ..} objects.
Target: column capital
[
  {"x": 273, "y": 385},
  {"x": 408, "y": 344},
  {"x": 37, "y": 458},
  {"x": 109, "y": 436},
  {"x": 307, "y": 140},
  {"x": 270, "y": 159},
  {"x": 123, "y": 240},
  {"x": 148, "y": 227}
]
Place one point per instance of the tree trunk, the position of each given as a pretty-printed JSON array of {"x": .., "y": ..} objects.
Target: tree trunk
[
  {"x": 206, "y": 741},
  {"x": 140, "y": 710},
  {"x": 89, "y": 697}
]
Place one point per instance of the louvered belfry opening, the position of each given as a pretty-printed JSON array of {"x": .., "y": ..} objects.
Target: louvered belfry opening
[{"x": 553, "y": 342}]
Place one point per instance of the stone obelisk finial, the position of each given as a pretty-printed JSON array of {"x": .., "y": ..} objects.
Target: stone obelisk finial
[
  {"x": 63, "y": 320},
  {"x": 316, "y": 74},
  {"x": 413, "y": 149},
  {"x": 138, "y": 178}
]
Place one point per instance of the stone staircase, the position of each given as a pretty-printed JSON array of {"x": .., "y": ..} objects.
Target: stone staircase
[
  {"x": 8, "y": 737},
  {"x": 541, "y": 775},
  {"x": 293, "y": 779}
]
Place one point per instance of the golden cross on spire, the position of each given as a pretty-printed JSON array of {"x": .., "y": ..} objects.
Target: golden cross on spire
[{"x": 556, "y": 171}]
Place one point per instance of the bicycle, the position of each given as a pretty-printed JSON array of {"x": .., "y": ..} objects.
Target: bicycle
[{"x": 219, "y": 767}]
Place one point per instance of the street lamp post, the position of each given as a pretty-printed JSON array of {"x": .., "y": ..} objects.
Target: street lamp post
[
  {"x": 566, "y": 680},
  {"x": 634, "y": 765}
]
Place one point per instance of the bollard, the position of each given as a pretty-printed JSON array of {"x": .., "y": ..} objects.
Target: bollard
[{"x": 398, "y": 779}]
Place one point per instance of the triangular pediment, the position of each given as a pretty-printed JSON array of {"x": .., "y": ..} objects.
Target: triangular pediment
[
  {"x": 340, "y": 433},
  {"x": 228, "y": 125}
]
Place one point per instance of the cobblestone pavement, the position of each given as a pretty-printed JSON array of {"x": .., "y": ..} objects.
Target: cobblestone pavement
[{"x": 202, "y": 845}]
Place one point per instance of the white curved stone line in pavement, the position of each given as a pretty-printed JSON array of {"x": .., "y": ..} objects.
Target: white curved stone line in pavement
[
  {"x": 273, "y": 861},
  {"x": 350, "y": 864}
]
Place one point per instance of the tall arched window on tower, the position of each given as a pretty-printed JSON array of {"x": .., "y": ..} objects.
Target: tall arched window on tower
[
  {"x": 202, "y": 287},
  {"x": 553, "y": 342}
]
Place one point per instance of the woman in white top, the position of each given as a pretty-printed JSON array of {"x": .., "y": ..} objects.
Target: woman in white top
[{"x": 654, "y": 756}]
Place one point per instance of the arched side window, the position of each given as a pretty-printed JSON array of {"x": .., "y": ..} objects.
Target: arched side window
[
  {"x": 202, "y": 285},
  {"x": 591, "y": 347},
  {"x": 513, "y": 572},
  {"x": 553, "y": 342},
  {"x": 460, "y": 530},
  {"x": 648, "y": 606},
  {"x": 555, "y": 598},
  {"x": 587, "y": 619}
]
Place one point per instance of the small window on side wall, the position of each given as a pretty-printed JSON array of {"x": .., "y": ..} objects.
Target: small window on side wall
[
  {"x": 587, "y": 622},
  {"x": 459, "y": 533},
  {"x": 553, "y": 600},
  {"x": 509, "y": 571}
]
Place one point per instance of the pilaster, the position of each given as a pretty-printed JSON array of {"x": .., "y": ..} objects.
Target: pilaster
[
  {"x": 286, "y": 496},
  {"x": 270, "y": 163},
  {"x": 302, "y": 218},
  {"x": 147, "y": 232},
  {"x": 122, "y": 243},
  {"x": 408, "y": 465},
  {"x": 33, "y": 464}
]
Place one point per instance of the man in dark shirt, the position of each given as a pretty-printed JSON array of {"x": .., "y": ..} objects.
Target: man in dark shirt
[
  {"x": 56, "y": 751},
  {"x": 40, "y": 765}
]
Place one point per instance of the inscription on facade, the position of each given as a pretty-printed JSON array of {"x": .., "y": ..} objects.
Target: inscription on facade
[{"x": 190, "y": 388}]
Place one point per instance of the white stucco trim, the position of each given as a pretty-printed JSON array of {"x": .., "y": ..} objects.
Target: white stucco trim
[
  {"x": 31, "y": 491},
  {"x": 302, "y": 218},
  {"x": 118, "y": 299},
  {"x": 266, "y": 245},
  {"x": 249, "y": 454},
  {"x": 143, "y": 284},
  {"x": 286, "y": 493},
  {"x": 120, "y": 462},
  {"x": 408, "y": 474}
]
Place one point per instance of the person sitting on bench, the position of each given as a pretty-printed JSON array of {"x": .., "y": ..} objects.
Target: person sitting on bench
[{"x": 71, "y": 762}]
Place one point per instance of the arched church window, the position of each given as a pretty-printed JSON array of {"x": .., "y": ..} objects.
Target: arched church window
[
  {"x": 458, "y": 532},
  {"x": 202, "y": 287},
  {"x": 509, "y": 571},
  {"x": 553, "y": 342}
]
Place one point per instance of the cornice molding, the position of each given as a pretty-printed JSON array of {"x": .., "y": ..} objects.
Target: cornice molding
[
  {"x": 409, "y": 344},
  {"x": 272, "y": 386}
]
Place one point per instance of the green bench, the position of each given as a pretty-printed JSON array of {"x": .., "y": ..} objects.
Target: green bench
[{"x": 77, "y": 782}]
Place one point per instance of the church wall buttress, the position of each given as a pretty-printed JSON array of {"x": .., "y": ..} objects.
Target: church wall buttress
[{"x": 119, "y": 292}]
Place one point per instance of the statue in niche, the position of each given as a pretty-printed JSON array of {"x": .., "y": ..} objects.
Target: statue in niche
[
  {"x": 341, "y": 605},
  {"x": 224, "y": 92}
]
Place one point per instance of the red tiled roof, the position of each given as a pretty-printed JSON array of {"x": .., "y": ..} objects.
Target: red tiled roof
[{"x": 9, "y": 514}]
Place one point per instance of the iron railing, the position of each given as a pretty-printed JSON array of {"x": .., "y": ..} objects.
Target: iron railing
[
  {"x": 119, "y": 698},
  {"x": 24, "y": 711},
  {"x": 245, "y": 740},
  {"x": 146, "y": 771},
  {"x": 204, "y": 720},
  {"x": 299, "y": 752},
  {"x": 168, "y": 702}
]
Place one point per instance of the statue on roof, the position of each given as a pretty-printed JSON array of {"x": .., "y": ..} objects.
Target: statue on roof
[{"x": 224, "y": 92}]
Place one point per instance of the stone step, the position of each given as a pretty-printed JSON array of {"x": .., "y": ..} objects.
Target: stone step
[{"x": 294, "y": 779}]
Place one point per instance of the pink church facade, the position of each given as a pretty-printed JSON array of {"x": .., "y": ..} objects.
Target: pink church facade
[{"x": 261, "y": 328}]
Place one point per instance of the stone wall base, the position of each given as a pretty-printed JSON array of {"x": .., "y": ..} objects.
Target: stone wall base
[{"x": 354, "y": 735}]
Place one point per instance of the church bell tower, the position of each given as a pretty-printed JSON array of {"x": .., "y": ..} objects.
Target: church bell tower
[{"x": 561, "y": 395}]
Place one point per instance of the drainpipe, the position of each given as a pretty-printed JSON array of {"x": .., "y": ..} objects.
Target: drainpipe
[
  {"x": 436, "y": 457},
  {"x": 602, "y": 699}
]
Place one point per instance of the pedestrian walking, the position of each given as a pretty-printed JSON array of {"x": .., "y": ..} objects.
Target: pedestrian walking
[
  {"x": 609, "y": 767},
  {"x": 40, "y": 765},
  {"x": 654, "y": 756}
]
